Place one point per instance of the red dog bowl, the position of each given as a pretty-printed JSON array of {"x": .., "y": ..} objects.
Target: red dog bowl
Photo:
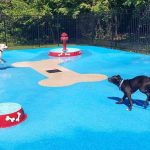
[{"x": 11, "y": 114}]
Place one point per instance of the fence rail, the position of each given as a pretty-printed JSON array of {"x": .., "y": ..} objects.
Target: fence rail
[{"x": 123, "y": 30}]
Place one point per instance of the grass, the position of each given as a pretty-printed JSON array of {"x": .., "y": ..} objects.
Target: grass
[
  {"x": 12, "y": 47},
  {"x": 17, "y": 47}
]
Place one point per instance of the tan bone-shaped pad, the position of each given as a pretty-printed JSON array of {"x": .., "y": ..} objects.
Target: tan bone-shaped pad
[{"x": 63, "y": 78}]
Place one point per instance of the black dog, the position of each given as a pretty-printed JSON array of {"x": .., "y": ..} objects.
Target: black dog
[{"x": 130, "y": 86}]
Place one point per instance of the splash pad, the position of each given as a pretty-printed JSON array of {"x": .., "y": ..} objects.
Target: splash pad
[{"x": 64, "y": 52}]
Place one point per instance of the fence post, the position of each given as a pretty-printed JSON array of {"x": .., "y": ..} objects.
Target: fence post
[
  {"x": 112, "y": 29},
  {"x": 5, "y": 27},
  {"x": 76, "y": 30},
  {"x": 39, "y": 32},
  {"x": 57, "y": 26}
]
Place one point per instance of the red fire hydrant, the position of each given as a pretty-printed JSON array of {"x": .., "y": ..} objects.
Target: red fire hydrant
[{"x": 64, "y": 38}]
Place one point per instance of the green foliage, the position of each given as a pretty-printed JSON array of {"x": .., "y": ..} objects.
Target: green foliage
[
  {"x": 65, "y": 7},
  {"x": 136, "y": 3},
  {"x": 24, "y": 15}
]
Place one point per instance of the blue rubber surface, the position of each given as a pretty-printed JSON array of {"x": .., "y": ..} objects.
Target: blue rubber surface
[{"x": 82, "y": 116}]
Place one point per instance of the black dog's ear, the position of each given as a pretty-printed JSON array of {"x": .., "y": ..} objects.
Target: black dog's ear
[{"x": 118, "y": 76}]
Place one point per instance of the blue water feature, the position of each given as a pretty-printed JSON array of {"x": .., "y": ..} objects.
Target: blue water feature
[{"x": 82, "y": 116}]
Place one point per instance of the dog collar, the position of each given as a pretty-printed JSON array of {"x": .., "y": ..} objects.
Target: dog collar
[{"x": 120, "y": 84}]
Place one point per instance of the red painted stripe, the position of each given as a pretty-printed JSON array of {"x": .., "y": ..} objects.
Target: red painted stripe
[
  {"x": 8, "y": 123},
  {"x": 66, "y": 54}
]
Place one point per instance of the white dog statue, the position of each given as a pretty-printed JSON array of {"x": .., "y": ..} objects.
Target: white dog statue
[{"x": 2, "y": 48}]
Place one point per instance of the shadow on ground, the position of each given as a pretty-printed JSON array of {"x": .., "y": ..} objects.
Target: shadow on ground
[
  {"x": 6, "y": 67},
  {"x": 135, "y": 102}
]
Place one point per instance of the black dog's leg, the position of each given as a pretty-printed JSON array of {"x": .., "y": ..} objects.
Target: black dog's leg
[
  {"x": 146, "y": 90},
  {"x": 122, "y": 100},
  {"x": 2, "y": 60},
  {"x": 130, "y": 101},
  {"x": 147, "y": 100}
]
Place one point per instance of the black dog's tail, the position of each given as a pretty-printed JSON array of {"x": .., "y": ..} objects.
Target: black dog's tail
[{"x": 147, "y": 88}]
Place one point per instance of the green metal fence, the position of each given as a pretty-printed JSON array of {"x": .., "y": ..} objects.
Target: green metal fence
[{"x": 124, "y": 30}]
